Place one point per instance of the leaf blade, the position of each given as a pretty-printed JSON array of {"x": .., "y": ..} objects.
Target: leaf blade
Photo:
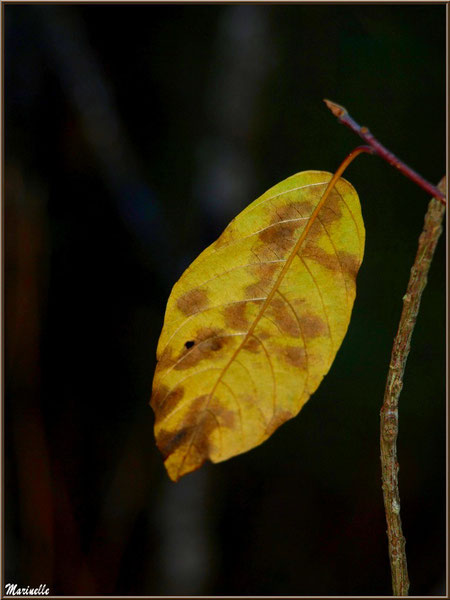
[{"x": 265, "y": 308}]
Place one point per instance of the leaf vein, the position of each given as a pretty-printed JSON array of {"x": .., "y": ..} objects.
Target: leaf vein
[
  {"x": 337, "y": 258},
  {"x": 254, "y": 389},
  {"x": 274, "y": 383},
  {"x": 215, "y": 337},
  {"x": 353, "y": 218},
  {"x": 301, "y": 187},
  {"x": 179, "y": 382},
  {"x": 303, "y": 338},
  {"x": 203, "y": 310},
  {"x": 322, "y": 301},
  {"x": 238, "y": 406}
]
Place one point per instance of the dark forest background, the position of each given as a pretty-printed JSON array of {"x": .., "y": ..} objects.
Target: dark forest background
[{"x": 133, "y": 134}]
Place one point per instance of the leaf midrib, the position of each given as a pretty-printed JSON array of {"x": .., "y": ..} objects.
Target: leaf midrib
[{"x": 268, "y": 299}]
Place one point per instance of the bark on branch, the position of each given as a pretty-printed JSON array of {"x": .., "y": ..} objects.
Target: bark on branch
[{"x": 389, "y": 411}]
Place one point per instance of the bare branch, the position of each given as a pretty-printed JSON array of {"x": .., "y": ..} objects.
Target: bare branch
[
  {"x": 389, "y": 411},
  {"x": 342, "y": 115}
]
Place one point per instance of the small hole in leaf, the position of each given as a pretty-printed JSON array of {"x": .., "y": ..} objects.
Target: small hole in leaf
[{"x": 189, "y": 344}]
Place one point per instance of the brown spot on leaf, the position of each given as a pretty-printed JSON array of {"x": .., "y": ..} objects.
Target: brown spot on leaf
[
  {"x": 194, "y": 422},
  {"x": 315, "y": 232},
  {"x": 264, "y": 252},
  {"x": 158, "y": 395},
  {"x": 280, "y": 236},
  {"x": 202, "y": 424},
  {"x": 313, "y": 326},
  {"x": 204, "y": 416},
  {"x": 259, "y": 289},
  {"x": 235, "y": 316},
  {"x": 328, "y": 214},
  {"x": 252, "y": 345},
  {"x": 206, "y": 341},
  {"x": 207, "y": 333},
  {"x": 206, "y": 424},
  {"x": 216, "y": 344},
  {"x": 169, "y": 441},
  {"x": 165, "y": 361},
  {"x": 265, "y": 270},
  {"x": 191, "y": 358},
  {"x": 284, "y": 317},
  {"x": 331, "y": 211},
  {"x": 192, "y": 301},
  {"x": 294, "y": 210},
  {"x": 278, "y": 419},
  {"x": 224, "y": 416},
  {"x": 344, "y": 261},
  {"x": 350, "y": 263},
  {"x": 166, "y": 401},
  {"x": 281, "y": 233},
  {"x": 295, "y": 356},
  {"x": 314, "y": 252}
]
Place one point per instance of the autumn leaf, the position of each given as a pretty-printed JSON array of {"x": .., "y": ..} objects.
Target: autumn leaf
[{"x": 255, "y": 322}]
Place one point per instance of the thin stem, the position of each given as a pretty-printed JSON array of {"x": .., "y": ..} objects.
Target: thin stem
[
  {"x": 389, "y": 411},
  {"x": 342, "y": 114},
  {"x": 344, "y": 164}
]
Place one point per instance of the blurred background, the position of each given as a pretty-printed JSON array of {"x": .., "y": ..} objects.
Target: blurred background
[{"x": 133, "y": 134}]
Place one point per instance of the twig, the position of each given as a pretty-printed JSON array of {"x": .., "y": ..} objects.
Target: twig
[
  {"x": 342, "y": 114},
  {"x": 389, "y": 411}
]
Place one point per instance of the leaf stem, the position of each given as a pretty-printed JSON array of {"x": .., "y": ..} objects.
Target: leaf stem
[
  {"x": 342, "y": 115},
  {"x": 389, "y": 411},
  {"x": 344, "y": 164}
]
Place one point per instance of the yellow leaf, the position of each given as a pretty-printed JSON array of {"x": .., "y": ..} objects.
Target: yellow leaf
[{"x": 255, "y": 322}]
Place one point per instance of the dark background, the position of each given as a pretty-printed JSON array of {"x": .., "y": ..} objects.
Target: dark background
[{"x": 133, "y": 134}]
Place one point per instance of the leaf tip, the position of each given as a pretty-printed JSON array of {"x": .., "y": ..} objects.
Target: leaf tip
[
  {"x": 174, "y": 477},
  {"x": 176, "y": 469}
]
